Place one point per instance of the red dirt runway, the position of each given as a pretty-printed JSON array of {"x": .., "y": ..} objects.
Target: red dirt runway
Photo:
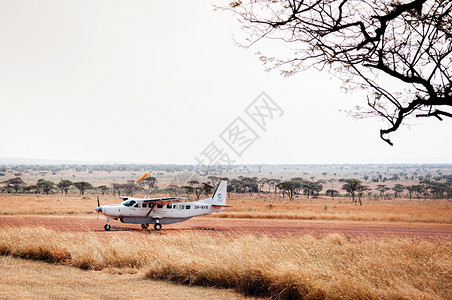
[{"x": 240, "y": 226}]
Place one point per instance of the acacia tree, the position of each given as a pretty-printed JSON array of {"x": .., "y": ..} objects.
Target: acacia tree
[
  {"x": 352, "y": 186},
  {"x": 273, "y": 183},
  {"x": 45, "y": 185},
  {"x": 361, "y": 190},
  {"x": 116, "y": 188},
  {"x": 397, "y": 50},
  {"x": 215, "y": 180},
  {"x": 207, "y": 188},
  {"x": 103, "y": 189},
  {"x": 398, "y": 189},
  {"x": 129, "y": 187},
  {"x": 332, "y": 193},
  {"x": 16, "y": 183},
  {"x": 411, "y": 189},
  {"x": 188, "y": 190},
  {"x": 382, "y": 188},
  {"x": 82, "y": 186},
  {"x": 290, "y": 187},
  {"x": 151, "y": 182},
  {"x": 64, "y": 185},
  {"x": 309, "y": 188},
  {"x": 197, "y": 188}
]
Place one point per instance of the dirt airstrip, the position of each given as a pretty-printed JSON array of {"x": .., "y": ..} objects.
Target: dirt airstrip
[{"x": 276, "y": 227}]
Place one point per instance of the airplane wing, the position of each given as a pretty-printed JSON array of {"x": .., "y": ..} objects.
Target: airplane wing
[{"x": 165, "y": 200}]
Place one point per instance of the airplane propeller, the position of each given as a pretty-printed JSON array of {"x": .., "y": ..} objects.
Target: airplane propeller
[{"x": 98, "y": 205}]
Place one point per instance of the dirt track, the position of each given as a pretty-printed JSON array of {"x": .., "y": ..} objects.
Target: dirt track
[{"x": 239, "y": 226}]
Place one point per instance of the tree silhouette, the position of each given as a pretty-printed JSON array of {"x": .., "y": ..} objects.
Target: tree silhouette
[
  {"x": 197, "y": 187},
  {"x": 151, "y": 182},
  {"x": 207, "y": 188},
  {"x": 273, "y": 183},
  {"x": 130, "y": 187},
  {"x": 215, "y": 180},
  {"x": 290, "y": 187},
  {"x": 309, "y": 188},
  {"x": 45, "y": 185},
  {"x": 116, "y": 188},
  {"x": 188, "y": 190},
  {"x": 82, "y": 186},
  {"x": 64, "y": 185},
  {"x": 16, "y": 183},
  {"x": 382, "y": 188},
  {"x": 411, "y": 189},
  {"x": 332, "y": 193},
  {"x": 398, "y": 189},
  {"x": 398, "y": 51},
  {"x": 351, "y": 186},
  {"x": 103, "y": 189}
]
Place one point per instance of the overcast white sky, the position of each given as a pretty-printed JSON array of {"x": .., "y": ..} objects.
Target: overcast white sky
[{"x": 158, "y": 81}]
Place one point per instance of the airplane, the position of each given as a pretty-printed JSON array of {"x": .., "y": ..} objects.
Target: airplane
[{"x": 165, "y": 210}]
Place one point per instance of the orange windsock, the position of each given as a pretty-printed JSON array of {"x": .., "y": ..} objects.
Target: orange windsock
[{"x": 144, "y": 176}]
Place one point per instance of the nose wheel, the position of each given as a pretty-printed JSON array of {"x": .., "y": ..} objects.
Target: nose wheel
[
  {"x": 157, "y": 226},
  {"x": 107, "y": 226}
]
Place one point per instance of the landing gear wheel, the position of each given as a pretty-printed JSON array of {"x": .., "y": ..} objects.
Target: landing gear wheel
[
  {"x": 107, "y": 227},
  {"x": 145, "y": 226},
  {"x": 157, "y": 226}
]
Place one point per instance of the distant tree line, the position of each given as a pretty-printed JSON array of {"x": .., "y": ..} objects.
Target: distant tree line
[
  {"x": 42, "y": 186},
  {"x": 439, "y": 188}
]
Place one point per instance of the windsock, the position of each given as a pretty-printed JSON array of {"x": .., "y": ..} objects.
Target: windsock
[{"x": 144, "y": 176}]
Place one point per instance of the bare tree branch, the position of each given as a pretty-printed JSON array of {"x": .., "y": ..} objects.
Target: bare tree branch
[{"x": 368, "y": 43}]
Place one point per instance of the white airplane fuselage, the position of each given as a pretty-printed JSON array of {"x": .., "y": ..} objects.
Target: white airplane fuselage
[
  {"x": 149, "y": 213},
  {"x": 167, "y": 210}
]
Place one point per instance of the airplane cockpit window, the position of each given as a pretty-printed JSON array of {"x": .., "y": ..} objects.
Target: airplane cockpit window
[
  {"x": 138, "y": 205},
  {"x": 129, "y": 203}
]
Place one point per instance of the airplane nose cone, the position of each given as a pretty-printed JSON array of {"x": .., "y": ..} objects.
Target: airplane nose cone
[{"x": 98, "y": 209}]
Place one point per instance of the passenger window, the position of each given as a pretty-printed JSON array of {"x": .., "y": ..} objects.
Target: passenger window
[
  {"x": 159, "y": 205},
  {"x": 169, "y": 206},
  {"x": 145, "y": 205},
  {"x": 187, "y": 207}
]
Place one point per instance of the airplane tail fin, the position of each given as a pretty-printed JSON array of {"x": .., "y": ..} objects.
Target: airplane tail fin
[{"x": 220, "y": 195}]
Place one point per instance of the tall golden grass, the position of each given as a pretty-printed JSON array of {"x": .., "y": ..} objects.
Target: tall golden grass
[
  {"x": 333, "y": 267},
  {"x": 27, "y": 279}
]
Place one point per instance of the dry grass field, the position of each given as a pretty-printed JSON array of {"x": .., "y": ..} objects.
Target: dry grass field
[
  {"x": 332, "y": 267},
  {"x": 255, "y": 206},
  {"x": 30, "y": 279},
  {"x": 394, "y": 210}
]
